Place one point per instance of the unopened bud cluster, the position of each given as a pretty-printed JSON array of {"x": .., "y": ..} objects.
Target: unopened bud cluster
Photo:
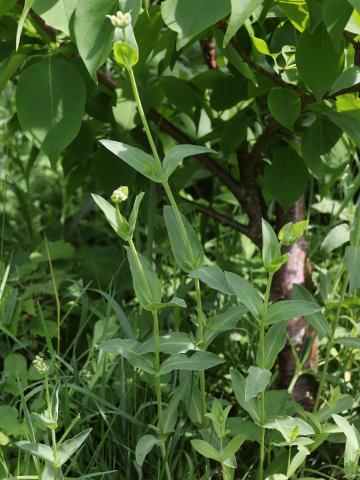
[
  {"x": 120, "y": 20},
  {"x": 40, "y": 365},
  {"x": 120, "y": 194}
]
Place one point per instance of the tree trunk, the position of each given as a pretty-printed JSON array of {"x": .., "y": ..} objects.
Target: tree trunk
[{"x": 296, "y": 271}]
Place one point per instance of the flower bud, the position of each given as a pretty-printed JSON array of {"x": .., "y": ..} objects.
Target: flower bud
[
  {"x": 120, "y": 194},
  {"x": 113, "y": 20},
  {"x": 40, "y": 365},
  {"x": 127, "y": 19}
]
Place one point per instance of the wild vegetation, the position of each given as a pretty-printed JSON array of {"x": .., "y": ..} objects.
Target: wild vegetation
[{"x": 180, "y": 239}]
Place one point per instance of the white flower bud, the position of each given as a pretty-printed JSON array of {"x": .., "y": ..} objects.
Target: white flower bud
[
  {"x": 120, "y": 194},
  {"x": 120, "y": 18},
  {"x": 40, "y": 365},
  {"x": 112, "y": 19},
  {"x": 127, "y": 19}
]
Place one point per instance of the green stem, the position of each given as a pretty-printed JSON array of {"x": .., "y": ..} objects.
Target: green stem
[
  {"x": 331, "y": 343},
  {"x": 202, "y": 346},
  {"x": 155, "y": 153},
  {"x": 262, "y": 365},
  {"x": 53, "y": 435},
  {"x": 157, "y": 361}
]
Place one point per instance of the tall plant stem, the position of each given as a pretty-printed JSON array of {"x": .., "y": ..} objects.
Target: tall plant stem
[
  {"x": 181, "y": 226},
  {"x": 202, "y": 346},
  {"x": 157, "y": 379},
  {"x": 155, "y": 153},
  {"x": 262, "y": 365},
  {"x": 331, "y": 343}
]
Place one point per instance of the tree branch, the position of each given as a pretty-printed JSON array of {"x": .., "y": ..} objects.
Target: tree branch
[
  {"x": 221, "y": 218},
  {"x": 208, "y": 46}
]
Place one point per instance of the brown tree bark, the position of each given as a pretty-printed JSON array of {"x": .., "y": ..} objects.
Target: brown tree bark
[{"x": 301, "y": 334}]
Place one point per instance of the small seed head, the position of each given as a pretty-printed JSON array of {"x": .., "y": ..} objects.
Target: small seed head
[
  {"x": 120, "y": 195},
  {"x": 40, "y": 365}
]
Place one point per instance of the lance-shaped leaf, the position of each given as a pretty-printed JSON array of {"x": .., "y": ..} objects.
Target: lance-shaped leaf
[
  {"x": 38, "y": 449},
  {"x": 352, "y": 446},
  {"x": 197, "y": 362},
  {"x": 251, "y": 406},
  {"x": 122, "y": 229},
  {"x": 233, "y": 446},
  {"x": 271, "y": 255},
  {"x": 179, "y": 247},
  {"x": 352, "y": 264},
  {"x": 275, "y": 340},
  {"x": 69, "y": 447},
  {"x": 135, "y": 158},
  {"x": 146, "y": 283},
  {"x": 144, "y": 446},
  {"x": 317, "y": 320},
  {"x": 256, "y": 382},
  {"x": 287, "y": 309},
  {"x": 348, "y": 78},
  {"x": 176, "y": 155},
  {"x": 172, "y": 343},
  {"x": 206, "y": 449},
  {"x": 129, "y": 349},
  {"x": 214, "y": 277},
  {"x": 51, "y": 474},
  {"x": 246, "y": 293},
  {"x": 134, "y": 213}
]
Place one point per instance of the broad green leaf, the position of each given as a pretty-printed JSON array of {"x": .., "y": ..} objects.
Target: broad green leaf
[
  {"x": 346, "y": 121},
  {"x": 251, "y": 406},
  {"x": 48, "y": 110},
  {"x": 348, "y": 78},
  {"x": 55, "y": 402},
  {"x": 336, "y": 16},
  {"x": 214, "y": 277},
  {"x": 129, "y": 349},
  {"x": 69, "y": 447},
  {"x": 56, "y": 14},
  {"x": 246, "y": 293},
  {"x": 197, "y": 362},
  {"x": 122, "y": 229},
  {"x": 237, "y": 425},
  {"x": 275, "y": 340},
  {"x": 324, "y": 149},
  {"x": 350, "y": 342},
  {"x": 136, "y": 158},
  {"x": 134, "y": 213},
  {"x": 178, "y": 245},
  {"x": 256, "y": 382},
  {"x": 174, "y": 302},
  {"x": 318, "y": 62},
  {"x": 176, "y": 155},
  {"x": 285, "y": 106},
  {"x": 144, "y": 446},
  {"x": 38, "y": 449},
  {"x": 292, "y": 232},
  {"x": 94, "y": 32},
  {"x": 352, "y": 264},
  {"x": 287, "y": 309},
  {"x": 203, "y": 14},
  {"x": 206, "y": 450},
  {"x": 336, "y": 237},
  {"x": 9, "y": 422},
  {"x": 233, "y": 446},
  {"x": 317, "y": 320},
  {"x": 27, "y": 7},
  {"x": 286, "y": 177},
  {"x": 240, "y": 12},
  {"x": 171, "y": 343}
]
